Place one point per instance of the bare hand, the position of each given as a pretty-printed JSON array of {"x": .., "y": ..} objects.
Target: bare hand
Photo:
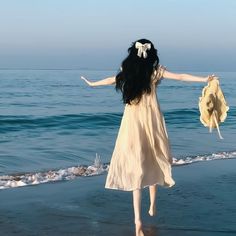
[
  {"x": 87, "y": 81},
  {"x": 211, "y": 77}
]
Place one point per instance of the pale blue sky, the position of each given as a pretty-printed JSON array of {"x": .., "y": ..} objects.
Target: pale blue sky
[{"x": 189, "y": 34}]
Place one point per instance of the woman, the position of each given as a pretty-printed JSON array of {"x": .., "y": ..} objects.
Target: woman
[{"x": 141, "y": 157}]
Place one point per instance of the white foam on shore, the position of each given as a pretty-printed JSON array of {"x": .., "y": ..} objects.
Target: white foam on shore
[
  {"x": 19, "y": 180},
  {"x": 210, "y": 157}
]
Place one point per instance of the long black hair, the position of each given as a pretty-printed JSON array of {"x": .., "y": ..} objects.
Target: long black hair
[{"x": 134, "y": 78}]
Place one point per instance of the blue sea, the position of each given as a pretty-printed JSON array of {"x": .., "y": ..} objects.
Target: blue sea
[
  {"x": 56, "y": 140},
  {"x": 54, "y": 127}
]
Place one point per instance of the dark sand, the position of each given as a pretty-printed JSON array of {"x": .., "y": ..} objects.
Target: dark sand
[{"x": 202, "y": 203}]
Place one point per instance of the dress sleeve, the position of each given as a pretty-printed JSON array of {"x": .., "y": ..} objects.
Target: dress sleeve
[{"x": 158, "y": 74}]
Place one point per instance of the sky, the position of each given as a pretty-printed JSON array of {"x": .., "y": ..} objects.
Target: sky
[{"x": 194, "y": 35}]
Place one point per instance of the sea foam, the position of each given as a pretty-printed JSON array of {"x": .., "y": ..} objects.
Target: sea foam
[{"x": 97, "y": 168}]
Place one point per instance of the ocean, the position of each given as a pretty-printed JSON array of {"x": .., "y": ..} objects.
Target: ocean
[
  {"x": 54, "y": 127},
  {"x": 56, "y": 140}
]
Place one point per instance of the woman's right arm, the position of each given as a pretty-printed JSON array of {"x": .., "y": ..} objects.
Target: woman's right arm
[
  {"x": 107, "y": 81},
  {"x": 187, "y": 77}
]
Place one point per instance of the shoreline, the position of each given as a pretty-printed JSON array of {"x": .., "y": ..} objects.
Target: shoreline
[
  {"x": 97, "y": 168},
  {"x": 201, "y": 203}
]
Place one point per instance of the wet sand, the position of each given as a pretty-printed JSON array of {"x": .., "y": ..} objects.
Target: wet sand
[{"x": 202, "y": 203}]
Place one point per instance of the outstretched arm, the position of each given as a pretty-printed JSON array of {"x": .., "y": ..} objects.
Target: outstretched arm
[
  {"x": 187, "y": 77},
  {"x": 107, "y": 81}
]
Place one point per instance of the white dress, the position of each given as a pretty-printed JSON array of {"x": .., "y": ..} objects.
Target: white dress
[{"x": 141, "y": 156}]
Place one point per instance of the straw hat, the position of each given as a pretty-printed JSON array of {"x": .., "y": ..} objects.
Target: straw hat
[{"x": 212, "y": 105}]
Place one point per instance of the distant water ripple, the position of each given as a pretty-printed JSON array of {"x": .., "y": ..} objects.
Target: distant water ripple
[{"x": 96, "y": 120}]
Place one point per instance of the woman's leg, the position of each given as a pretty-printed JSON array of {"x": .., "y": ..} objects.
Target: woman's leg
[
  {"x": 152, "y": 193},
  {"x": 137, "y": 197}
]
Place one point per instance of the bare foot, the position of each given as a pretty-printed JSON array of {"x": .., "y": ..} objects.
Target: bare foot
[
  {"x": 152, "y": 210},
  {"x": 138, "y": 228}
]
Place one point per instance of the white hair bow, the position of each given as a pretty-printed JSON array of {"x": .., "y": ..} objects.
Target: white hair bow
[{"x": 142, "y": 48}]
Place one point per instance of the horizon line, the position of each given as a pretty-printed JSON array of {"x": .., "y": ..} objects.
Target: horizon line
[{"x": 99, "y": 69}]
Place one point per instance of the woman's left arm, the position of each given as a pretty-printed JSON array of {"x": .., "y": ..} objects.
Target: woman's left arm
[
  {"x": 187, "y": 77},
  {"x": 107, "y": 81}
]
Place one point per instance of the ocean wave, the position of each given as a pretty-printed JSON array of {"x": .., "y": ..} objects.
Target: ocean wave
[
  {"x": 97, "y": 120},
  {"x": 69, "y": 121},
  {"x": 97, "y": 168},
  {"x": 207, "y": 157},
  {"x": 24, "y": 179}
]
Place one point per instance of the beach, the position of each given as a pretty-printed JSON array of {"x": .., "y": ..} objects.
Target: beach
[{"x": 201, "y": 203}]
